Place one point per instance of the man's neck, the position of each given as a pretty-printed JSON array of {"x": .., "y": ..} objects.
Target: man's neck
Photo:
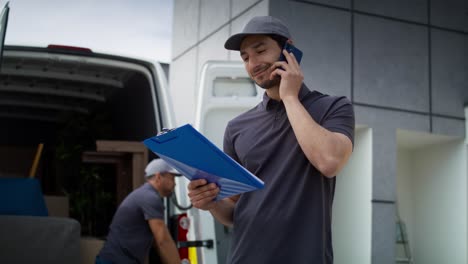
[
  {"x": 153, "y": 184},
  {"x": 273, "y": 93}
]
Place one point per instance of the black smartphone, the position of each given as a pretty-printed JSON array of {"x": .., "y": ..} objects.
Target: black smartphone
[{"x": 291, "y": 49}]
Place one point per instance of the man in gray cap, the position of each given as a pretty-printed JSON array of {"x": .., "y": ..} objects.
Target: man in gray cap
[
  {"x": 139, "y": 221},
  {"x": 296, "y": 141}
]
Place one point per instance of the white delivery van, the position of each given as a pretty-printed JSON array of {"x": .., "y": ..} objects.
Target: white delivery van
[
  {"x": 45, "y": 90},
  {"x": 67, "y": 98}
]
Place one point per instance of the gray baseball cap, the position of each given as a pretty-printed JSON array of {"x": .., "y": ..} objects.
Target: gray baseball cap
[
  {"x": 159, "y": 165},
  {"x": 259, "y": 25}
]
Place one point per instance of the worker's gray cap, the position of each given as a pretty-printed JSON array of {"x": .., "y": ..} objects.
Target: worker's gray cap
[
  {"x": 159, "y": 165},
  {"x": 259, "y": 25}
]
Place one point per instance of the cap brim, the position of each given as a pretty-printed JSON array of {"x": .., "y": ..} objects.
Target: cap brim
[
  {"x": 234, "y": 42},
  {"x": 175, "y": 172}
]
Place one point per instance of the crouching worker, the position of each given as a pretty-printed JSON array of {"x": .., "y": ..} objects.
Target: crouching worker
[{"x": 139, "y": 221}]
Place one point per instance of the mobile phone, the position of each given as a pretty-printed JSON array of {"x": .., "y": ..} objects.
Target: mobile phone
[{"x": 291, "y": 49}]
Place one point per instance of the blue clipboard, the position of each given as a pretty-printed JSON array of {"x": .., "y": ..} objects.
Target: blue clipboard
[{"x": 193, "y": 155}]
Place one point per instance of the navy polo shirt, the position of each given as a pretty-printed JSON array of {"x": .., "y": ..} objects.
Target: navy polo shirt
[
  {"x": 130, "y": 236},
  {"x": 289, "y": 221}
]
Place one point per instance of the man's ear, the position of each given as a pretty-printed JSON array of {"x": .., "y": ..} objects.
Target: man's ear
[{"x": 289, "y": 41}]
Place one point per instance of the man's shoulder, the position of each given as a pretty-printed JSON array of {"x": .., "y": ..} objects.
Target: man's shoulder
[
  {"x": 323, "y": 106},
  {"x": 142, "y": 192},
  {"x": 323, "y": 99}
]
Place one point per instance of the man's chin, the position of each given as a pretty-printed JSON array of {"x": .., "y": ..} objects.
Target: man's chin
[{"x": 269, "y": 83}]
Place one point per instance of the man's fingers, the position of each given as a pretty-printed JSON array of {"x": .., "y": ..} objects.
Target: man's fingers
[
  {"x": 279, "y": 65},
  {"x": 196, "y": 183},
  {"x": 210, "y": 190},
  {"x": 203, "y": 199},
  {"x": 199, "y": 189},
  {"x": 202, "y": 196},
  {"x": 290, "y": 58},
  {"x": 200, "y": 186}
]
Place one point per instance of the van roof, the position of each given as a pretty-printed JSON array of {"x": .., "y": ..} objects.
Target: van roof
[{"x": 44, "y": 83}]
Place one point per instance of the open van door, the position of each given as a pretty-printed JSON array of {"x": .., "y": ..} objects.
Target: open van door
[
  {"x": 3, "y": 28},
  {"x": 226, "y": 91}
]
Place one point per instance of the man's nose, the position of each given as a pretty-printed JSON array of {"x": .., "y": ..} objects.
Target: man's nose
[{"x": 253, "y": 62}]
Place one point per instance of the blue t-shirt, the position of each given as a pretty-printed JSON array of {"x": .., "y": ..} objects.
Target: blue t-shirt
[
  {"x": 289, "y": 220},
  {"x": 130, "y": 236}
]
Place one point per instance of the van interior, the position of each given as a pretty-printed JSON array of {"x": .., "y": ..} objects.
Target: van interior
[{"x": 66, "y": 99}]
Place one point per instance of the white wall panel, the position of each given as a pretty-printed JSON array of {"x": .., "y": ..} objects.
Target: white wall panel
[
  {"x": 352, "y": 208},
  {"x": 432, "y": 197},
  {"x": 211, "y": 49},
  {"x": 182, "y": 84}
]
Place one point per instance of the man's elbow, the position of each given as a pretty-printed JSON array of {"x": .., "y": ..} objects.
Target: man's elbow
[
  {"x": 228, "y": 224},
  {"x": 328, "y": 172},
  {"x": 225, "y": 222},
  {"x": 329, "y": 167}
]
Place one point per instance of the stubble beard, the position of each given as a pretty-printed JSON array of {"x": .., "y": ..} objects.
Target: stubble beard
[{"x": 267, "y": 84}]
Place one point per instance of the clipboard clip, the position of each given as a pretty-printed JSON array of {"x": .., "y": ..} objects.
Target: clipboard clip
[
  {"x": 164, "y": 135},
  {"x": 164, "y": 131}
]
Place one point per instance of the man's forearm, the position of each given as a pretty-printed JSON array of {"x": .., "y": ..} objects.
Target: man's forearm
[
  {"x": 326, "y": 150},
  {"x": 163, "y": 242},
  {"x": 223, "y": 211},
  {"x": 168, "y": 251}
]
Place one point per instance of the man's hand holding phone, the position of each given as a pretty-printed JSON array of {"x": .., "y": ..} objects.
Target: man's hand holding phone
[
  {"x": 290, "y": 48},
  {"x": 290, "y": 72}
]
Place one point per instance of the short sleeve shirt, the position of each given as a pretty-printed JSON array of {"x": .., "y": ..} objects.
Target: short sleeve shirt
[
  {"x": 130, "y": 236},
  {"x": 289, "y": 220}
]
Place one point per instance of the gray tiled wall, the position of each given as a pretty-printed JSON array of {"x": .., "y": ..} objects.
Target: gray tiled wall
[
  {"x": 450, "y": 14},
  {"x": 383, "y": 215},
  {"x": 185, "y": 26},
  {"x": 449, "y": 72},
  {"x": 414, "y": 10},
  {"x": 390, "y": 64},
  {"x": 238, "y": 7},
  {"x": 447, "y": 126},
  {"x": 337, "y": 3},
  {"x": 213, "y": 14}
]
